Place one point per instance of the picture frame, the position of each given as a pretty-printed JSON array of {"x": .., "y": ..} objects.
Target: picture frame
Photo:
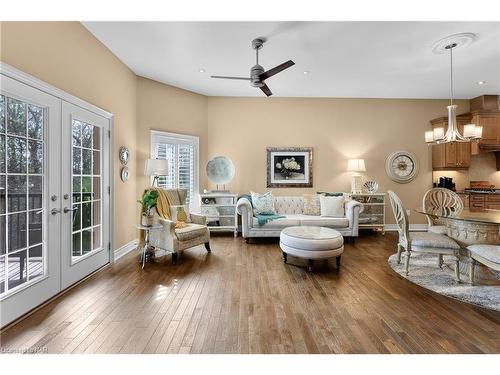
[{"x": 289, "y": 167}]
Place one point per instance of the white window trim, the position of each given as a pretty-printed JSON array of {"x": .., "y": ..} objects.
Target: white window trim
[{"x": 158, "y": 136}]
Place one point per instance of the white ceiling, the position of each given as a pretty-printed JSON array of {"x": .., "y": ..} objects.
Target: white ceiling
[{"x": 345, "y": 59}]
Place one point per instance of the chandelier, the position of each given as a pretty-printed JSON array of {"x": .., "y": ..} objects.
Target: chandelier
[{"x": 471, "y": 131}]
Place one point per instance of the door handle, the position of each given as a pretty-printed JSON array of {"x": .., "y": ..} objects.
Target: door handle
[
  {"x": 55, "y": 211},
  {"x": 67, "y": 209}
]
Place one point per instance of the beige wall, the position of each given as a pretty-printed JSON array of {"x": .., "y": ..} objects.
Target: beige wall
[
  {"x": 169, "y": 109},
  {"x": 337, "y": 129},
  {"x": 66, "y": 55}
]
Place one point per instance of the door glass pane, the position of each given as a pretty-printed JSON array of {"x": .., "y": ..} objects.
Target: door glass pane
[
  {"x": 87, "y": 188},
  {"x": 16, "y": 117},
  {"x": 21, "y": 192},
  {"x": 35, "y": 262},
  {"x": 17, "y": 272},
  {"x": 16, "y": 155},
  {"x": 35, "y": 122}
]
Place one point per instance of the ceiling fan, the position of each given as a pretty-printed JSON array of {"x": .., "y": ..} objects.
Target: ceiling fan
[{"x": 257, "y": 73}]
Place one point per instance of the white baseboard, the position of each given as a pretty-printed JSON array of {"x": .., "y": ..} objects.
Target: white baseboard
[
  {"x": 413, "y": 227},
  {"x": 125, "y": 249}
]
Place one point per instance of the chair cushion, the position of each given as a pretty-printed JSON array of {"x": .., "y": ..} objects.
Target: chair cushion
[
  {"x": 488, "y": 252},
  {"x": 438, "y": 229},
  {"x": 322, "y": 221},
  {"x": 433, "y": 240},
  {"x": 190, "y": 232}
]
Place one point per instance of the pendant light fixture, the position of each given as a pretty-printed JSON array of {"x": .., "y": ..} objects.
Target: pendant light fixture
[{"x": 471, "y": 131}]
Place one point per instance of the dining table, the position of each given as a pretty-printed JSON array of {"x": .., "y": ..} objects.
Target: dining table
[{"x": 469, "y": 226}]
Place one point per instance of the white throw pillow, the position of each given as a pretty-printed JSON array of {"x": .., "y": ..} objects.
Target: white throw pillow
[
  {"x": 263, "y": 203},
  {"x": 332, "y": 206}
]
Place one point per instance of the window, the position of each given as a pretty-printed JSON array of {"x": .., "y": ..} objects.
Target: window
[{"x": 181, "y": 153}]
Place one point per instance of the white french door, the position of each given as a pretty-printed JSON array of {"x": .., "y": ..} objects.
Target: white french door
[
  {"x": 54, "y": 196},
  {"x": 30, "y": 167},
  {"x": 85, "y": 195}
]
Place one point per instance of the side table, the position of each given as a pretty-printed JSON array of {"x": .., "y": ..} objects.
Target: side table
[{"x": 146, "y": 250}]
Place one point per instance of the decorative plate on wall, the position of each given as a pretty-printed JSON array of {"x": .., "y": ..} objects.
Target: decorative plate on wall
[
  {"x": 124, "y": 174},
  {"x": 401, "y": 166},
  {"x": 124, "y": 155}
]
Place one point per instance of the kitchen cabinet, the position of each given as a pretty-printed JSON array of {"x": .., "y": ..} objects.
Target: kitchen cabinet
[
  {"x": 451, "y": 155},
  {"x": 488, "y": 201},
  {"x": 490, "y": 121}
]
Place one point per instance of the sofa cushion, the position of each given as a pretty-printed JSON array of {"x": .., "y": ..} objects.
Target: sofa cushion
[
  {"x": 332, "y": 206},
  {"x": 190, "y": 232},
  {"x": 322, "y": 221},
  {"x": 311, "y": 204},
  {"x": 288, "y": 221},
  {"x": 433, "y": 240},
  {"x": 263, "y": 203}
]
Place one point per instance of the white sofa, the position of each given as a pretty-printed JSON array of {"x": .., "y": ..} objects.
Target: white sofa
[{"x": 292, "y": 208}]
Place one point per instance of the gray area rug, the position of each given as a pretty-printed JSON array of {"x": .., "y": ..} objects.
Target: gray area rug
[{"x": 425, "y": 273}]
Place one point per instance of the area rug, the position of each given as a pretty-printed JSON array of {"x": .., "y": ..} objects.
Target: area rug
[{"x": 425, "y": 273}]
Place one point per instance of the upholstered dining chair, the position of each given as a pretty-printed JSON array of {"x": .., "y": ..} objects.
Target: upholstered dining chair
[
  {"x": 425, "y": 242},
  {"x": 489, "y": 255},
  {"x": 440, "y": 199},
  {"x": 175, "y": 240}
]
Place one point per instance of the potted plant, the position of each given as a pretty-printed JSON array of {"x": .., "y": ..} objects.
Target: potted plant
[{"x": 148, "y": 202}]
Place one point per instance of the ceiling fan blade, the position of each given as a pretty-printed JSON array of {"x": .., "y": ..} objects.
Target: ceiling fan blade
[
  {"x": 276, "y": 70},
  {"x": 225, "y": 77},
  {"x": 266, "y": 90}
]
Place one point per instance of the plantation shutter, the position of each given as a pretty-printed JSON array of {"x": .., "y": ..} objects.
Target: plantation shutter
[{"x": 181, "y": 155}]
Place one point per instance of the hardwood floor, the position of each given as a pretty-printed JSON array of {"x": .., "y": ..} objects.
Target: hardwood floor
[{"x": 241, "y": 298}]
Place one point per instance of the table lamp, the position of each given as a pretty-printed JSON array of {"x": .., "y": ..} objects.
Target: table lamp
[
  {"x": 356, "y": 165},
  {"x": 156, "y": 168}
]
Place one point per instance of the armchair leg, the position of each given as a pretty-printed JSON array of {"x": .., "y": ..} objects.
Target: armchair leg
[
  {"x": 440, "y": 260},
  {"x": 207, "y": 246},
  {"x": 174, "y": 258},
  {"x": 400, "y": 249}
]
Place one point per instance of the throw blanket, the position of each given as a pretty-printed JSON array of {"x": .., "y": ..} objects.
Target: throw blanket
[
  {"x": 262, "y": 219},
  {"x": 162, "y": 207}
]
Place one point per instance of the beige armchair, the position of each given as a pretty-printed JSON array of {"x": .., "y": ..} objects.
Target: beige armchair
[{"x": 174, "y": 241}]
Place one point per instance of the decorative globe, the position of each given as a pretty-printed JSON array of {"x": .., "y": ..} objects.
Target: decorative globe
[{"x": 220, "y": 170}]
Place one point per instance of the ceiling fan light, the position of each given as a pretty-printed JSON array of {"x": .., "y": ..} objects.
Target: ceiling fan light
[{"x": 429, "y": 136}]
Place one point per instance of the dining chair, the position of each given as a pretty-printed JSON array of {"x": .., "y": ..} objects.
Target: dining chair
[
  {"x": 424, "y": 242},
  {"x": 440, "y": 199},
  {"x": 488, "y": 255}
]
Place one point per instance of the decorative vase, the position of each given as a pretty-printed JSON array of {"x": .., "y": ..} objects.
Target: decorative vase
[{"x": 147, "y": 220}]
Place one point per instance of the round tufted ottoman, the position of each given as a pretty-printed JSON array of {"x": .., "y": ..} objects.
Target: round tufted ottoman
[{"x": 311, "y": 243}]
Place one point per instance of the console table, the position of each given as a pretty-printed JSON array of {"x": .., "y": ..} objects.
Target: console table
[
  {"x": 373, "y": 215},
  {"x": 220, "y": 210}
]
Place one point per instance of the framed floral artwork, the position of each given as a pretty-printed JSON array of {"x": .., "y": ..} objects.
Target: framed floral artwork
[{"x": 289, "y": 167}]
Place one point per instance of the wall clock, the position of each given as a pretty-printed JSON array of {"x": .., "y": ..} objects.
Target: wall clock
[{"x": 401, "y": 166}]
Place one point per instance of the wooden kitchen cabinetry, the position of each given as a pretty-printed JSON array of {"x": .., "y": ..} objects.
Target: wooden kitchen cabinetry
[
  {"x": 488, "y": 201},
  {"x": 490, "y": 121},
  {"x": 451, "y": 155}
]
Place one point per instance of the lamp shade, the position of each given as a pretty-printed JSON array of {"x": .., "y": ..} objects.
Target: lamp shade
[
  {"x": 356, "y": 165},
  {"x": 156, "y": 167}
]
